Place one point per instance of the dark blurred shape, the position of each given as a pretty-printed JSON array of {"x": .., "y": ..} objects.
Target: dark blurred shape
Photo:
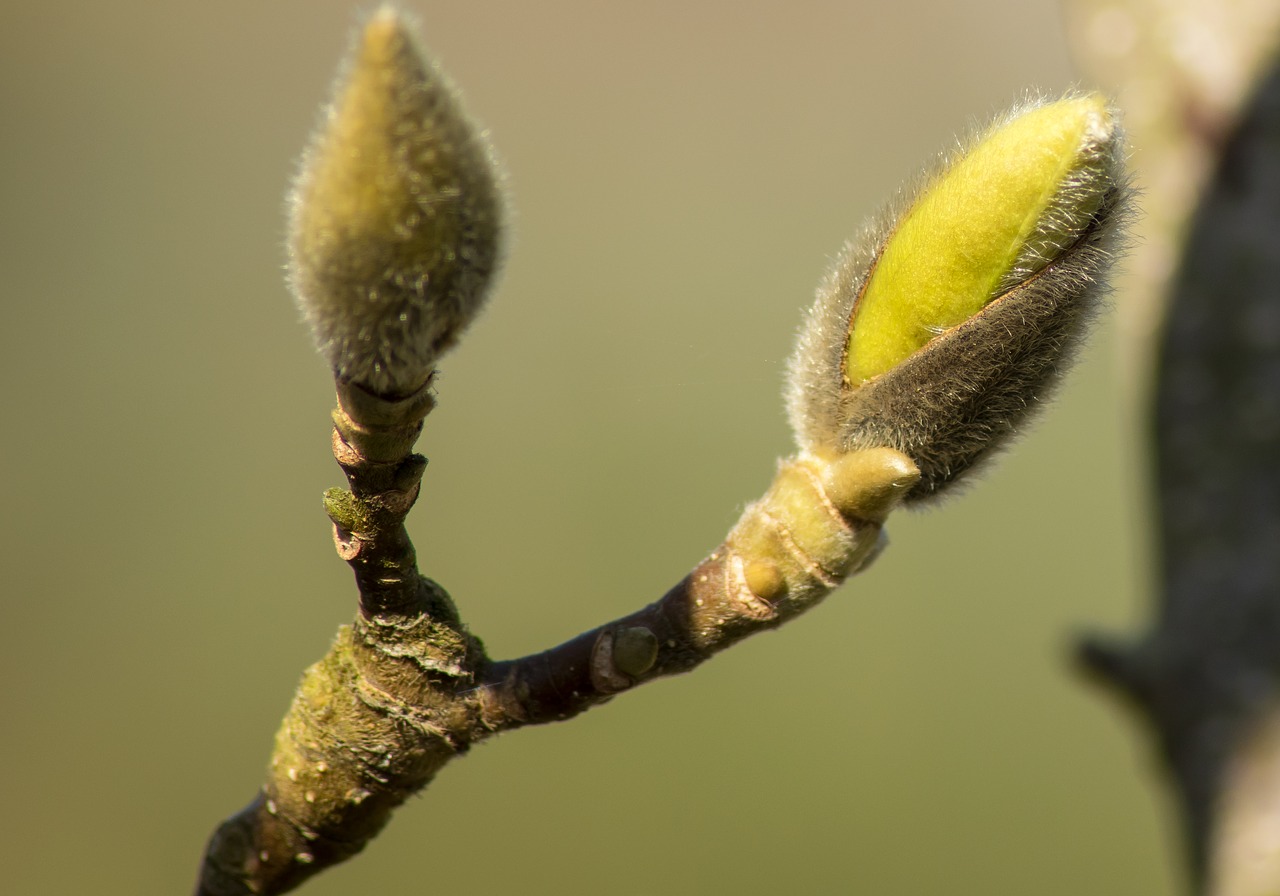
[{"x": 1209, "y": 664}]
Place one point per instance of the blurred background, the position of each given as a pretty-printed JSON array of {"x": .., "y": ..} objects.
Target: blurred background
[{"x": 681, "y": 175}]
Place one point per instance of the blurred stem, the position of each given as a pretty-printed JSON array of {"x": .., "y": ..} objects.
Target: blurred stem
[
  {"x": 1205, "y": 678},
  {"x": 1244, "y": 857},
  {"x": 1181, "y": 70}
]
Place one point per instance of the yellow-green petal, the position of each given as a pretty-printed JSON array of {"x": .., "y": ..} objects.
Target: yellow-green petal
[{"x": 1019, "y": 196}]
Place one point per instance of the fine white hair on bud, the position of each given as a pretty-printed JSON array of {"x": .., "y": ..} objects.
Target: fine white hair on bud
[
  {"x": 946, "y": 321},
  {"x": 395, "y": 217}
]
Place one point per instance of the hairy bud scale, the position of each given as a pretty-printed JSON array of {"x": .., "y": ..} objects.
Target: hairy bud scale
[
  {"x": 941, "y": 326},
  {"x": 395, "y": 217}
]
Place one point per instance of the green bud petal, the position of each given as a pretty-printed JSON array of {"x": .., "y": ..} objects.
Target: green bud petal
[{"x": 970, "y": 228}]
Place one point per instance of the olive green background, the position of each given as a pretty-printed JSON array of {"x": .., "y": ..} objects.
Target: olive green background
[{"x": 680, "y": 176}]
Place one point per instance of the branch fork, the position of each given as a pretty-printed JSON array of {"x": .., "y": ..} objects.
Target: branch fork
[
  {"x": 936, "y": 332},
  {"x": 406, "y": 687}
]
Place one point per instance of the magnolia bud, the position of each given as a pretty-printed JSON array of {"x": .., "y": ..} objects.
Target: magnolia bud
[
  {"x": 395, "y": 217},
  {"x": 944, "y": 324}
]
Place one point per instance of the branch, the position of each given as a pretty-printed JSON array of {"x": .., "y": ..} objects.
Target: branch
[
  {"x": 406, "y": 688},
  {"x": 934, "y": 337},
  {"x": 817, "y": 524}
]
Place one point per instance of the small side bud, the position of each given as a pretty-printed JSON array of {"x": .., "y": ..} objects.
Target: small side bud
[
  {"x": 868, "y": 484},
  {"x": 635, "y": 650},
  {"x": 939, "y": 329},
  {"x": 395, "y": 217}
]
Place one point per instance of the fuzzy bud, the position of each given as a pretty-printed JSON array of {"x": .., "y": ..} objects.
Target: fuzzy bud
[
  {"x": 946, "y": 322},
  {"x": 395, "y": 217}
]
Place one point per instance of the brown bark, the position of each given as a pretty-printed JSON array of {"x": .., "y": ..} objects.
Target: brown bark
[{"x": 406, "y": 688}]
